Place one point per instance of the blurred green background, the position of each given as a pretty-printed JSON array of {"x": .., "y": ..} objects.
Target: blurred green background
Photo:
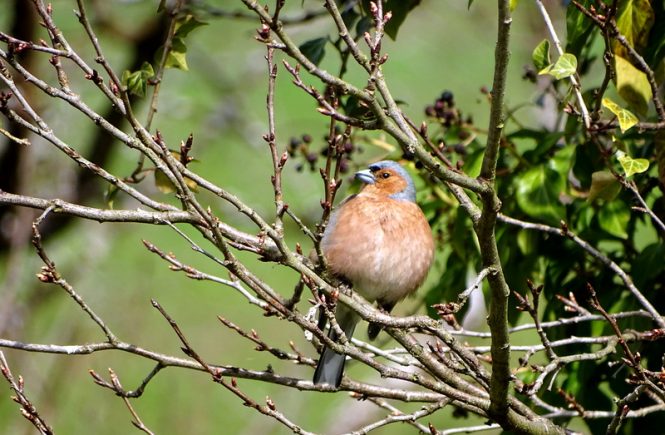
[{"x": 221, "y": 100}]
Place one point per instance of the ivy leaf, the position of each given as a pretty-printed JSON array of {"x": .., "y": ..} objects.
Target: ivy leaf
[
  {"x": 632, "y": 85},
  {"x": 603, "y": 185},
  {"x": 632, "y": 166},
  {"x": 624, "y": 116},
  {"x": 186, "y": 24},
  {"x": 538, "y": 192},
  {"x": 473, "y": 163},
  {"x": 400, "y": 9},
  {"x": 648, "y": 264},
  {"x": 363, "y": 25},
  {"x": 564, "y": 67},
  {"x": 659, "y": 141},
  {"x": 314, "y": 49},
  {"x": 349, "y": 16},
  {"x": 136, "y": 82},
  {"x": 634, "y": 21},
  {"x": 578, "y": 28},
  {"x": 177, "y": 57},
  {"x": 613, "y": 217},
  {"x": 541, "y": 55}
]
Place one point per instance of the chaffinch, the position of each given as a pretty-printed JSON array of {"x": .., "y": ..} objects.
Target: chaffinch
[{"x": 379, "y": 241}]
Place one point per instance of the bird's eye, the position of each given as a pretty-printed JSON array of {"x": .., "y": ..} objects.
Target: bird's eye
[{"x": 385, "y": 175}]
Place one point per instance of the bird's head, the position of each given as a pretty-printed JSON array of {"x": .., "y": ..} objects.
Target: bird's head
[{"x": 388, "y": 178}]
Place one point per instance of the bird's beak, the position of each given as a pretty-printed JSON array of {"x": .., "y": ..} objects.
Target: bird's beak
[{"x": 365, "y": 176}]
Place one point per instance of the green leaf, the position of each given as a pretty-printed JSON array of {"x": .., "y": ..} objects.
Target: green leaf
[
  {"x": 537, "y": 195},
  {"x": 110, "y": 194},
  {"x": 147, "y": 71},
  {"x": 513, "y": 5},
  {"x": 527, "y": 241},
  {"x": 659, "y": 144},
  {"x": 624, "y": 116},
  {"x": 541, "y": 55},
  {"x": 632, "y": 85},
  {"x": 604, "y": 186},
  {"x": 473, "y": 163},
  {"x": 349, "y": 16},
  {"x": 632, "y": 166},
  {"x": 177, "y": 57},
  {"x": 634, "y": 21},
  {"x": 185, "y": 25},
  {"x": 468, "y": 6},
  {"x": 613, "y": 217},
  {"x": 648, "y": 264},
  {"x": 314, "y": 49},
  {"x": 399, "y": 9},
  {"x": 363, "y": 25},
  {"x": 137, "y": 82},
  {"x": 564, "y": 67},
  {"x": 578, "y": 28}
]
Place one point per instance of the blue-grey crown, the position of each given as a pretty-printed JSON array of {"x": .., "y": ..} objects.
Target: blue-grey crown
[{"x": 409, "y": 193}]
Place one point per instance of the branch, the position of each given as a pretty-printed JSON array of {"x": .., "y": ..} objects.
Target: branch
[
  {"x": 59, "y": 206},
  {"x": 574, "y": 79},
  {"x": 28, "y": 410},
  {"x": 604, "y": 259},
  {"x": 485, "y": 228}
]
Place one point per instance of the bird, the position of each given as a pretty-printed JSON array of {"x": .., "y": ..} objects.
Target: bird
[{"x": 380, "y": 242}]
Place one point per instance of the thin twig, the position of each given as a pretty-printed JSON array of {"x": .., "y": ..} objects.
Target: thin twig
[
  {"x": 28, "y": 410},
  {"x": 574, "y": 79},
  {"x": 627, "y": 280}
]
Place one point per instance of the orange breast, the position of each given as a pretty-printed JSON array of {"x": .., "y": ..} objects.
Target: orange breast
[{"x": 383, "y": 246}]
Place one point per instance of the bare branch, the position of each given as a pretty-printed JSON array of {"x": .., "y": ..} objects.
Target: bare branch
[{"x": 28, "y": 410}]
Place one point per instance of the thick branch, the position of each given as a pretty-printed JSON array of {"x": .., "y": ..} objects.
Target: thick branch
[{"x": 498, "y": 313}]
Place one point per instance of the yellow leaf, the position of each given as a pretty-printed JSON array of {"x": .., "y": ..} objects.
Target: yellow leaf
[
  {"x": 633, "y": 166},
  {"x": 636, "y": 17},
  {"x": 632, "y": 85},
  {"x": 162, "y": 182},
  {"x": 624, "y": 116}
]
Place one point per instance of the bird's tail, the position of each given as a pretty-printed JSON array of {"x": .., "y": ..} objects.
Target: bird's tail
[{"x": 330, "y": 367}]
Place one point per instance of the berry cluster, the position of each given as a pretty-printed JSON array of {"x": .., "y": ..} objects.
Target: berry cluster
[
  {"x": 444, "y": 110},
  {"x": 302, "y": 147}
]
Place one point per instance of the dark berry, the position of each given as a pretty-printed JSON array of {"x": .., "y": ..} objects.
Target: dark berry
[
  {"x": 447, "y": 96},
  {"x": 459, "y": 149}
]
